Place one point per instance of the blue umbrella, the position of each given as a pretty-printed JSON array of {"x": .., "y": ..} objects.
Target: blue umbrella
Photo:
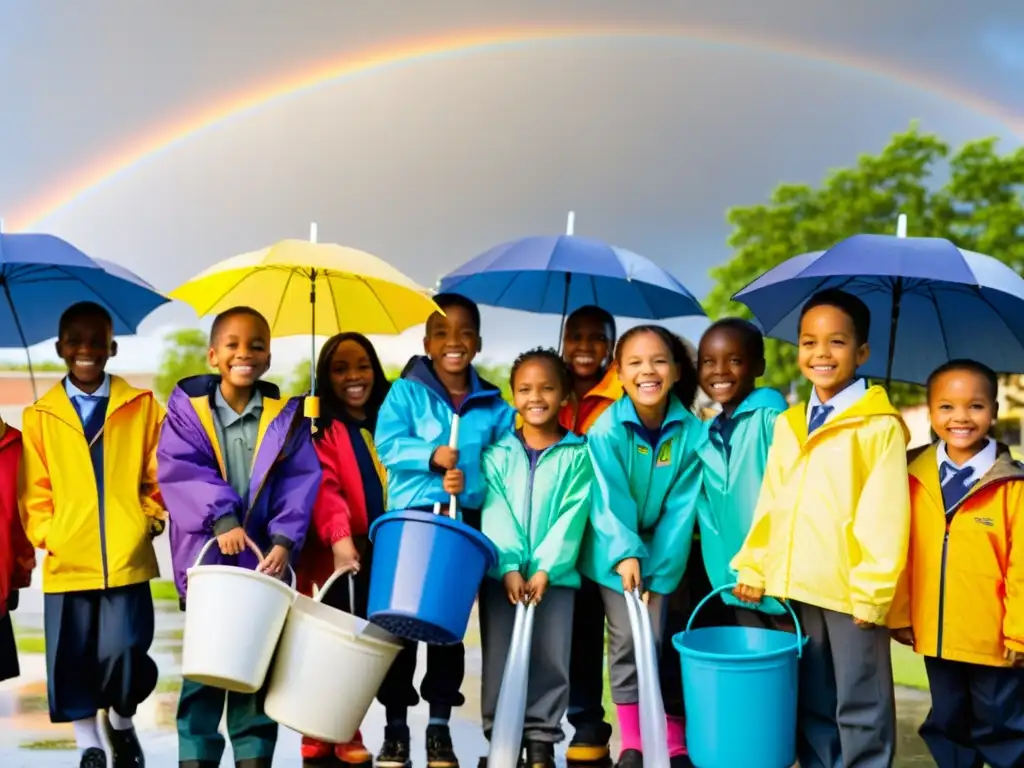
[
  {"x": 556, "y": 274},
  {"x": 930, "y": 302},
  {"x": 42, "y": 275}
]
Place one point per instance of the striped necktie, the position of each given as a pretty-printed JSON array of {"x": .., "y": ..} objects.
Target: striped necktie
[{"x": 819, "y": 414}]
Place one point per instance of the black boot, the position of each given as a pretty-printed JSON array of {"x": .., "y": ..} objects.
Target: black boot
[
  {"x": 395, "y": 751},
  {"x": 630, "y": 758},
  {"x": 440, "y": 752},
  {"x": 589, "y": 745},
  {"x": 93, "y": 757},
  {"x": 540, "y": 754},
  {"x": 124, "y": 746}
]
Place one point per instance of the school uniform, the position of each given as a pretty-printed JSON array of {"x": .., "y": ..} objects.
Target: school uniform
[
  {"x": 830, "y": 535},
  {"x": 644, "y": 507},
  {"x": 535, "y": 511},
  {"x": 17, "y": 558},
  {"x": 414, "y": 420},
  {"x": 90, "y": 499},
  {"x": 962, "y": 592},
  {"x": 220, "y": 469}
]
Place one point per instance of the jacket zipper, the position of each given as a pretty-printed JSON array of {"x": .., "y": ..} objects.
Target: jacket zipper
[
  {"x": 942, "y": 588},
  {"x": 528, "y": 517},
  {"x": 102, "y": 504}
]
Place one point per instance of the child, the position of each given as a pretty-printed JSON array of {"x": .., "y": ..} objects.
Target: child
[
  {"x": 17, "y": 558},
  {"x": 89, "y": 498},
  {"x": 535, "y": 512},
  {"x": 830, "y": 535},
  {"x": 961, "y": 598},
  {"x": 235, "y": 461},
  {"x": 648, "y": 480},
  {"x": 587, "y": 346},
  {"x": 413, "y": 430},
  {"x": 352, "y": 387}
]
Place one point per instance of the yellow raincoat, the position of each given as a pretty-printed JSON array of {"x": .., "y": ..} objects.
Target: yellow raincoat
[
  {"x": 92, "y": 542},
  {"x": 833, "y": 518},
  {"x": 963, "y": 588}
]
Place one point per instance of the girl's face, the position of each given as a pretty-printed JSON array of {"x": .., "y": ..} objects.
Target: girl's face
[
  {"x": 351, "y": 374},
  {"x": 585, "y": 346},
  {"x": 647, "y": 369},
  {"x": 538, "y": 393}
]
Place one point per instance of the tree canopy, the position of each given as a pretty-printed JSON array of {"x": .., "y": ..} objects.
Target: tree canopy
[
  {"x": 973, "y": 197},
  {"x": 184, "y": 355}
]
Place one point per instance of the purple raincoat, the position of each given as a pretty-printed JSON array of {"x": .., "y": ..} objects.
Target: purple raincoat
[{"x": 284, "y": 484}]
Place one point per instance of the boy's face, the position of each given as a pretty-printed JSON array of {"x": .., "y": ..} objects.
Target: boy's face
[
  {"x": 85, "y": 344},
  {"x": 961, "y": 410},
  {"x": 585, "y": 346},
  {"x": 241, "y": 351},
  {"x": 452, "y": 340},
  {"x": 829, "y": 350},
  {"x": 727, "y": 371},
  {"x": 539, "y": 393}
]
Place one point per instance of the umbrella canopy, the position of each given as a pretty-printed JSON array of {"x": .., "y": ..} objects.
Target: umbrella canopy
[
  {"x": 930, "y": 302},
  {"x": 556, "y": 274}
]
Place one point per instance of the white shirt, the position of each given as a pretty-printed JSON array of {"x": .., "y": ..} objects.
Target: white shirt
[
  {"x": 86, "y": 402},
  {"x": 840, "y": 401},
  {"x": 979, "y": 463}
]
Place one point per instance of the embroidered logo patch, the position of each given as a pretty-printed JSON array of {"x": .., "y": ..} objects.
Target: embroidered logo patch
[
  {"x": 986, "y": 521},
  {"x": 665, "y": 454},
  {"x": 643, "y": 450}
]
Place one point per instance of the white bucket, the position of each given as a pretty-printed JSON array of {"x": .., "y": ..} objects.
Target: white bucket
[
  {"x": 233, "y": 619},
  {"x": 328, "y": 668}
]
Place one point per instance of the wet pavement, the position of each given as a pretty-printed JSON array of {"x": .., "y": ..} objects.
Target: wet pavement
[{"x": 27, "y": 738}]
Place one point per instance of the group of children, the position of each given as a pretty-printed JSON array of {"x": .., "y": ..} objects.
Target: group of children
[{"x": 598, "y": 479}]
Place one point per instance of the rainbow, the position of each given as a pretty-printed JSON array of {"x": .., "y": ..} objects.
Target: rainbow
[{"x": 133, "y": 152}]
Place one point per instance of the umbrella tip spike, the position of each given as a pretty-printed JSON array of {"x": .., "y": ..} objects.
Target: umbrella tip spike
[
  {"x": 312, "y": 232},
  {"x": 901, "y": 225},
  {"x": 570, "y": 223}
]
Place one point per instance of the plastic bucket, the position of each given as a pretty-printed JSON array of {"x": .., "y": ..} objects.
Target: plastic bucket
[
  {"x": 425, "y": 575},
  {"x": 727, "y": 670},
  {"x": 327, "y": 670},
  {"x": 233, "y": 620}
]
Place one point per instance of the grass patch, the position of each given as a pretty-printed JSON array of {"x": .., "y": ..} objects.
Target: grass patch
[
  {"x": 31, "y": 644},
  {"x": 163, "y": 589},
  {"x": 168, "y": 685},
  {"x": 908, "y": 668},
  {"x": 44, "y": 744}
]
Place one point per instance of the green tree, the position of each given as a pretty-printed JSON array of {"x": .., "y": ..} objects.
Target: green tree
[
  {"x": 978, "y": 205},
  {"x": 184, "y": 355}
]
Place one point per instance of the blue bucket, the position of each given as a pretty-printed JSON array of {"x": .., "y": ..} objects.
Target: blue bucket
[
  {"x": 425, "y": 575},
  {"x": 728, "y": 671}
]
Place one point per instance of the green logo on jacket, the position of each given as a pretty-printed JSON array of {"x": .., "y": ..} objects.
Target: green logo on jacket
[{"x": 665, "y": 454}]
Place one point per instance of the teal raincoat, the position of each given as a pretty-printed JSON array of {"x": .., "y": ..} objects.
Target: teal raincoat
[
  {"x": 535, "y": 513},
  {"x": 645, "y": 499},
  {"x": 732, "y": 482}
]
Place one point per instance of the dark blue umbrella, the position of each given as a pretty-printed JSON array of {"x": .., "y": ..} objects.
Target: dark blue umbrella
[
  {"x": 556, "y": 274},
  {"x": 930, "y": 302},
  {"x": 42, "y": 275}
]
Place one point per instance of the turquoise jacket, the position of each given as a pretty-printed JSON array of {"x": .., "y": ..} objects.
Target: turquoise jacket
[
  {"x": 731, "y": 484},
  {"x": 416, "y": 418},
  {"x": 645, "y": 500},
  {"x": 535, "y": 515}
]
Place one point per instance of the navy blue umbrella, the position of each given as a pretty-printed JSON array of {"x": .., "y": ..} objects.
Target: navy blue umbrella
[{"x": 930, "y": 302}]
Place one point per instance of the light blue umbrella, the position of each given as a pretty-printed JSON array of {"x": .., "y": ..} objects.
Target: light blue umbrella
[
  {"x": 42, "y": 275},
  {"x": 930, "y": 301}
]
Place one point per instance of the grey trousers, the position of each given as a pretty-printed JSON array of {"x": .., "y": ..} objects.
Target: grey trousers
[
  {"x": 846, "y": 702},
  {"x": 621, "y": 661},
  {"x": 547, "y": 696}
]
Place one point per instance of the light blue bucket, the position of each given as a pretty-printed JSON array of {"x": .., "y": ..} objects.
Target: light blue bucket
[{"x": 734, "y": 675}]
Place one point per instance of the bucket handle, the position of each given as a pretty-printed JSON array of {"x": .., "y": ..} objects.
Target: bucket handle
[
  {"x": 322, "y": 592},
  {"x": 251, "y": 545},
  {"x": 453, "y": 443},
  {"x": 800, "y": 639}
]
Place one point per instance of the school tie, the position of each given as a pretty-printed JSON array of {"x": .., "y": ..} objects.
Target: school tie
[
  {"x": 955, "y": 483},
  {"x": 819, "y": 414}
]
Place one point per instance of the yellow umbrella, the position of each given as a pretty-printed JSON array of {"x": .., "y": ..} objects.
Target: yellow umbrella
[{"x": 306, "y": 287}]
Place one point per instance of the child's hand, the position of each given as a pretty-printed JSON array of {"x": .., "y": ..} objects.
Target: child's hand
[
  {"x": 629, "y": 570},
  {"x": 445, "y": 457},
  {"x": 454, "y": 482},
  {"x": 861, "y": 624},
  {"x": 232, "y": 542},
  {"x": 515, "y": 587},
  {"x": 537, "y": 586},
  {"x": 346, "y": 556},
  {"x": 903, "y": 636},
  {"x": 748, "y": 594},
  {"x": 274, "y": 563}
]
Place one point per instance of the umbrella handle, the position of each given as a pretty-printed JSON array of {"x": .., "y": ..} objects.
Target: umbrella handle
[{"x": 453, "y": 443}]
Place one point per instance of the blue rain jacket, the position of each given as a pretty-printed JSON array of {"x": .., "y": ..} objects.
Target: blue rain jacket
[
  {"x": 731, "y": 485},
  {"x": 416, "y": 418},
  {"x": 645, "y": 500}
]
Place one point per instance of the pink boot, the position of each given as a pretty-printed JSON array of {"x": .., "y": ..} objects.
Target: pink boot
[
  {"x": 676, "y": 728},
  {"x": 629, "y": 726}
]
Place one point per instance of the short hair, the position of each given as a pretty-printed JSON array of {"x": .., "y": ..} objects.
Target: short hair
[
  {"x": 549, "y": 356},
  {"x": 850, "y": 305},
  {"x": 686, "y": 387},
  {"x": 967, "y": 366},
  {"x": 84, "y": 309},
  {"x": 596, "y": 313},
  {"x": 446, "y": 300},
  {"x": 753, "y": 340},
  {"x": 227, "y": 314}
]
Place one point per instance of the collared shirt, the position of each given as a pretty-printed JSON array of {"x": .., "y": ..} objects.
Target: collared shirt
[
  {"x": 979, "y": 463},
  {"x": 84, "y": 402},
  {"x": 840, "y": 401},
  {"x": 237, "y": 433}
]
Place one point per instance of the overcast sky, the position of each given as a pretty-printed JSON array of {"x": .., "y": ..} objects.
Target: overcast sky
[{"x": 430, "y": 161}]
